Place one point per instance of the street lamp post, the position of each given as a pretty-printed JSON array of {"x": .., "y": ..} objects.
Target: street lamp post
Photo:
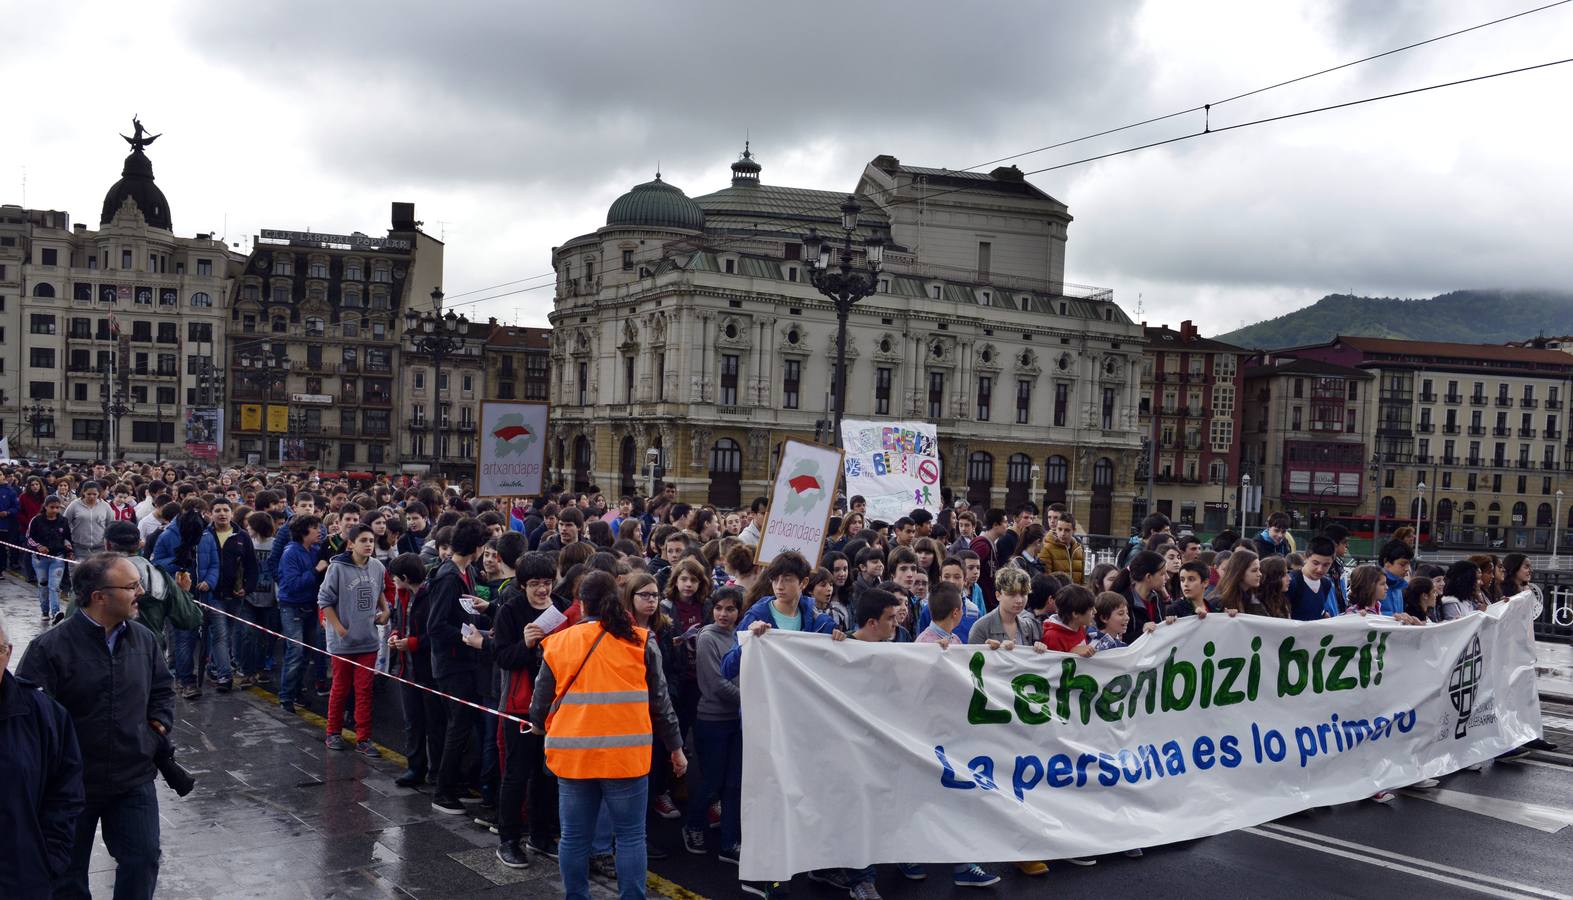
[
  {"x": 438, "y": 335},
  {"x": 1245, "y": 493},
  {"x": 845, "y": 284},
  {"x": 1420, "y": 515},
  {"x": 34, "y": 414},
  {"x": 267, "y": 371},
  {"x": 1556, "y": 522},
  {"x": 115, "y": 409}
]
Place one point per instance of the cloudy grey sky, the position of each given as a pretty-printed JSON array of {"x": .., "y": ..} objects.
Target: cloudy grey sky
[{"x": 512, "y": 126}]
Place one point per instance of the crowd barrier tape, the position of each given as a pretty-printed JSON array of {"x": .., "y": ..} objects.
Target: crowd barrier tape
[
  {"x": 965, "y": 754},
  {"x": 524, "y": 724}
]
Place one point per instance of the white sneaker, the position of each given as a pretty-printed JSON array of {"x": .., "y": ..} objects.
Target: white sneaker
[{"x": 1425, "y": 784}]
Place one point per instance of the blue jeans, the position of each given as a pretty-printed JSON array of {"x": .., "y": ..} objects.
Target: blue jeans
[
  {"x": 184, "y": 643},
  {"x": 720, "y": 750},
  {"x": 256, "y": 646},
  {"x": 131, "y": 834},
  {"x": 300, "y": 624},
  {"x": 48, "y": 572},
  {"x": 218, "y": 627},
  {"x": 578, "y": 804}
]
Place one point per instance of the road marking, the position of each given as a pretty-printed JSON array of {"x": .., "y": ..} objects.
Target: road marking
[
  {"x": 1556, "y": 722},
  {"x": 1374, "y": 857},
  {"x": 1550, "y": 819},
  {"x": 1408, "y": 858}
]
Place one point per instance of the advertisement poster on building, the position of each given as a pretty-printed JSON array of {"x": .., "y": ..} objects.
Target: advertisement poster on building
[
  {"x": 511, "y": 457},
  {"x": 204, "y": 431},
  {"x": 250, "y": 417},
  {"x": 800, "y": 502},
  {"x": 278, "y": 418},
  {"x": 292, "y": 452},
  {"x": 892, "y": 465}
]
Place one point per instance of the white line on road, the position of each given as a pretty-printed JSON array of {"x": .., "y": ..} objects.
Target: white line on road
[
  {"x": 1550, "y": 819},
  {"x": 1494, "y": 887}
]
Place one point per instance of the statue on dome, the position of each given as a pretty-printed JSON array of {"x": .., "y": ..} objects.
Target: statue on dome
[{"x": 139, "y": 141}]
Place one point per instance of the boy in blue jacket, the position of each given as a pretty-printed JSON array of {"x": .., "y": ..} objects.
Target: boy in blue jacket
[
  {"x": 782, "y": 608},
  {"x": 297, "y": 595},
  {"x": 1396, "y": 559},
  {"x": 188, "y": 553}
]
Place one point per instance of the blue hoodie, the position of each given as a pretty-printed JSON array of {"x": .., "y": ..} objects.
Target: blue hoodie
[
  {"x": 11, "y": 505},
  {"x": 808, "y": 620},
  {"x": 297, "y": 579},
  {"x": 1394, "y": 601},
  {"x": 1266, "y": 546},
  {"x": 168, "y": 546}
]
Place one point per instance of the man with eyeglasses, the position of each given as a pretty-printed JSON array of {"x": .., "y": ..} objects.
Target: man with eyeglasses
[{"x": 105, "y": 668}]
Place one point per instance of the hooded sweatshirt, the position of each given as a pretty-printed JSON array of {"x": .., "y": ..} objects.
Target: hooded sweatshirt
[
  {"x": 352, "y": 591},
  {"x": 718, "y": 695}
]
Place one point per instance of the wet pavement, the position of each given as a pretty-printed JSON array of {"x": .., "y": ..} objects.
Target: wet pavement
[{"x": 276, "y": 815}]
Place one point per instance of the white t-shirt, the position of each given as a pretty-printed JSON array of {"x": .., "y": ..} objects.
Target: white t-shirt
[{"x": 1315, "y": 585}]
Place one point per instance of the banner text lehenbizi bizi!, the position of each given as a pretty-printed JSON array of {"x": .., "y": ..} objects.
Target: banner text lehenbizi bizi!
[{"x": 859, "y": 753}]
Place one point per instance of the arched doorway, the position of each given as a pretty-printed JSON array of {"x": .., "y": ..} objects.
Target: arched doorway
[
  {"x": 1444, "y": 511},
  {"x": 581, "y": 464},
  {"x": 628, "y": 467},
  {"x": 1102, "y": 520},
  {"x": 980, "y": 480},
  {"x": 1543, "y": 516},
  {"x": 1056, "y": 477},
  {"x": 1018, "y": 480},
  {"x": 726, "y": 474},
  {"x": 1389, "y": 508}
]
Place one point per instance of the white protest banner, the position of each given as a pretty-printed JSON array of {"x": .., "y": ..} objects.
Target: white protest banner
[
  {"x": 800, "y": 502},
  {"x": 511, "y": 461},
  {"x": 893, "y": 465},
  {"x": 861, "y": 753}
]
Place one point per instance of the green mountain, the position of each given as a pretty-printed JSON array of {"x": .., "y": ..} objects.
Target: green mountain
[{"x": 1468, "y": 317}]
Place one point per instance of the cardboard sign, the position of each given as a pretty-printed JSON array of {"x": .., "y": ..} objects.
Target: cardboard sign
[
  {"x": 511, "y": 461},
  {"x": 800, "y": 502}
]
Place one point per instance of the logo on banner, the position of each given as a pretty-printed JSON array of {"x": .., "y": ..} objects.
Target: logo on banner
[
  {"x": 1462, "y": 683},
  {"x": 512, "y": 436},
  {"x": 807, "y": 487},
  {"x": 928, "y": 471}
]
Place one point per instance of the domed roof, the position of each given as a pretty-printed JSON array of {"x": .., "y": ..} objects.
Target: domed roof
[
  {"x": 136, "y": 182},
  {"x": 656, "y": 204}
]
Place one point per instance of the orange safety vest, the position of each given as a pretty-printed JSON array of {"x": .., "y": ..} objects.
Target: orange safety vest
[{"x": 599, "y": 727}]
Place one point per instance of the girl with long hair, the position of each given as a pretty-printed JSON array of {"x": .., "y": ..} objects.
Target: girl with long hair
[
  {"x": 1240, "y": 582},
  {"x": 1420, "y": 598},
  {"x": 1367, "y": 587},
  {"x": 1460, "y": 590},
  {"x": 1272, "y": 592},
  {"x": 1516, "y": 576},
  {"x": 850, "y": 527},
  {"x": 929, "y": 557},
  {"x": 1102, "y": 577},
  {"x": 1141, "y": 581}
]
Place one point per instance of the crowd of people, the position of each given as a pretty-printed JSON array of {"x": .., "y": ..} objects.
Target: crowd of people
[{"x": 556, "y": 658}]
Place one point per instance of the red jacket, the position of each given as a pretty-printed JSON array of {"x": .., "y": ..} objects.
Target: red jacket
[
  {"x": 1057, "y": 637},
  {"x": 29, "y": 506}
]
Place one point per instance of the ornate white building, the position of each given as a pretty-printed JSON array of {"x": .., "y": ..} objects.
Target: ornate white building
[{"x": 689, "y": 325}]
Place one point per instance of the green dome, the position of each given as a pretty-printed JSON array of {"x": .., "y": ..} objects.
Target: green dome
[{"x": 656, "y": 204}]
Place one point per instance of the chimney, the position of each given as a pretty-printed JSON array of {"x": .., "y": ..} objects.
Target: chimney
[
  {"x": 1187, "y": 330},
  {"x": 403, "y": 217}
]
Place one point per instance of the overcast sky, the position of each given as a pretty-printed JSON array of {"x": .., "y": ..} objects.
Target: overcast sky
[{"x": 512, "y": 127}]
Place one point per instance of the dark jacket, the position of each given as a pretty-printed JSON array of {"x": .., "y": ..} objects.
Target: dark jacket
[
  {"x": 110, "y": 698},
  {"x": 409, "y": 621},
  {"x": 444, "y": 618},
  {"x": 10, "y": 509},
  {"x": 43, "y": 795},
  {"x": 237, "y": 565},
  {"x": 517, "y": 664},
  {"x": 297, "y": 576},
  {"x": 51, "y": 536}
]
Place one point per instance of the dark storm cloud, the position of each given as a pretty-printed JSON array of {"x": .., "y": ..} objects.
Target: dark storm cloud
[{"x": 558, "y": 92}]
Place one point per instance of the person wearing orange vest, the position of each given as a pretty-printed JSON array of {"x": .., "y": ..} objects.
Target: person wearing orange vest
[{"x": 602, "y": 699}]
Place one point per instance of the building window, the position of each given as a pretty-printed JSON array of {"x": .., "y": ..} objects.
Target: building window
[
  {"x": 125, "y": 259},
  {"x": 467, "y": 383},
  {"x": 199, "y": 331},
  {"x": 936, "y": 395},
  {"x": 792, "y": 377},
  {"x": 87, "y": 429},
  {"x": 42, "y": 358},
  {"x": 48, "y": 256},
  {"x": 317, "y": 269},
  {"x": 584, "y": 384},
  {"x": 628, "y": 379},
  {"x": 1023, "y": 400},
  {"x": 41, "y": 323},
  {"x": 1294, "y": 419},
  {"x": 202, "y": 299},
  {"x": 729, "y": 379},
  {"x": 1223, "y": 399},
  {"x": 1299, "y": 388},
  {"x": 660, "y": 373},
  {"x": 1108, "y": 408},
  {"x": 41, "y": 390},
  {"x": 1222, "y": 435},
  {"x": 1062, "y": 397},
  {"x": 1349, "y": 420},
  {"x": 628, "y": 260},
  {"x": 168, "y": 333},
  {"x": 882, "y": 391},
  {"x": 985, "y": 397}
]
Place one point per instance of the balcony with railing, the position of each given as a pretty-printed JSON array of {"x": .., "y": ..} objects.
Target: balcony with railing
[
  {"x": 1505, "y": 401},
  {"x": 1450, "y": 460},
  {"x": 1526, "y": 432},
  {"x": 1553, "y": 403},
  {"x": 1425, "y": 426},
  {"x": 1453, "y": 399},
  {"x": 1450, "y": 429},
  {"x": 1477, "y": 430},
  {"x": 1501, "y": 431},
  {"x": 1528, "y": 402},
  {"x": 1397, "y": 395},
  {"x": 1477, "y": 399},
  {"x": 1552, "y": 434},
  {"x": 1427, "y": 397}
]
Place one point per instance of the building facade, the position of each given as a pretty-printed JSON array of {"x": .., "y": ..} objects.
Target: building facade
[
  {"x": 518, "y": 363},
  {"x": 108, "y": 331},
  {"x": 315, "y": 344},
  {"x": 1190, "y": 410},
  {"x": 441, "y": 404},
  {"x": 1467, "y": 442},
  {"x": 689, "y": 326}
]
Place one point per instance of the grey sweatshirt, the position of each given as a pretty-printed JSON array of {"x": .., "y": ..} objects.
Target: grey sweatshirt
[
  {"x": 352, "y": 592},
  {"x": 718, "y": 696},
  {"x": 87, "y": 525}
]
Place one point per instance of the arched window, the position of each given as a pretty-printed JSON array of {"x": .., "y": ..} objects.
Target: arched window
[
  {"x": 1469, "y": 512},
  {"x": 1018, "y": 479},
  {"x": 1418, "y": 508},
  {"x": 1520, "y": 513},
  {"x": 314, "y": 326},
  {"x": 280, "y": 324},
  {"x": 1056, "y": 477},
  {"x": 1444, "y": 511},
  {"x": 980, "y": 478},
  {"x": 1494, "y": 513},
  {"x": 201, "y": 298},
  {"x": 1543, "y": 515},
  {"x": 352, "y": 270},
  {"x": 43, "y": 289},
  {"x": 1103, "y": 474},
  {"x": 352, "y": 299},
  {"x": 1389, "y": 508}
]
